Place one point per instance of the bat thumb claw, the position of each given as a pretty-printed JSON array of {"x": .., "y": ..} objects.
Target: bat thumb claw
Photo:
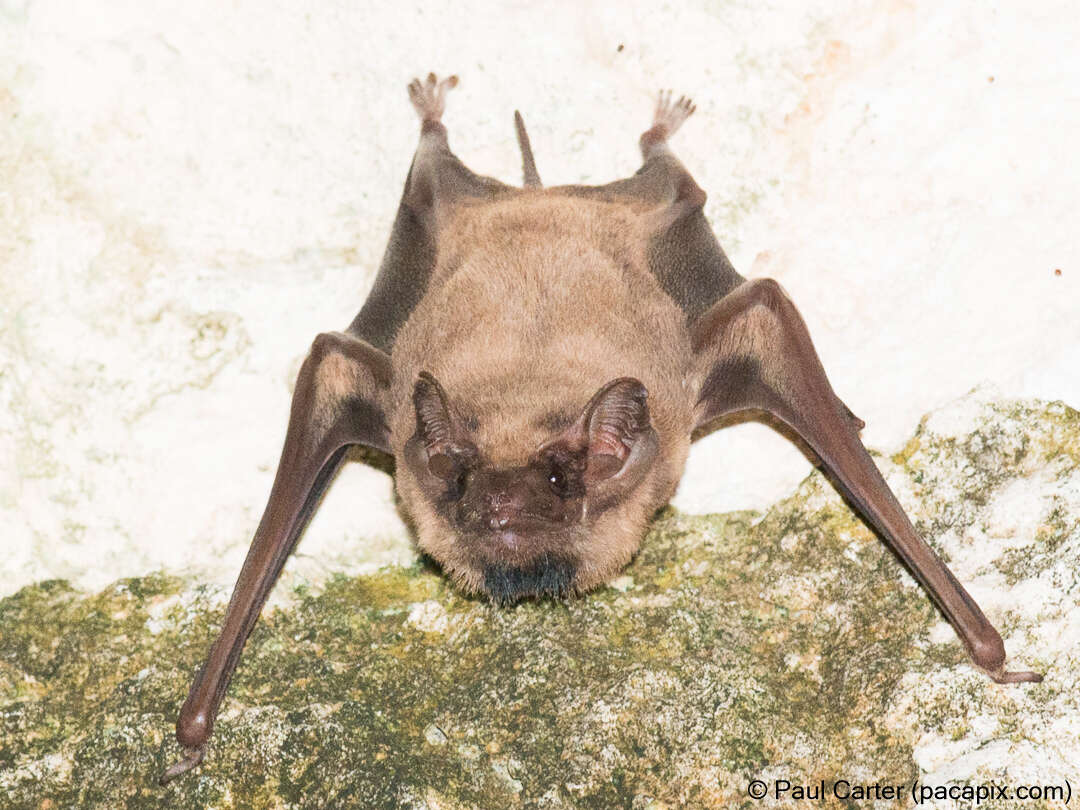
[
  {"x": 193, "y": 758},
  {"x": 856, "y": 422}
]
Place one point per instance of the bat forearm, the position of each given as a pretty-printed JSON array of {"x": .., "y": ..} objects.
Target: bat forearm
[
  {"x": 337, "y": 402},
  {"x": 273, "y": 543},
  {"x": 757, "y": 353},
  {"x": 857, "y": 477}
]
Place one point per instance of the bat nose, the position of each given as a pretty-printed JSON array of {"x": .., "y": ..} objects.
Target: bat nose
[
  {"x": 499, "y": 520},
  {"x": 503, "y": 497},
  {"x": 502, "y": 505}
]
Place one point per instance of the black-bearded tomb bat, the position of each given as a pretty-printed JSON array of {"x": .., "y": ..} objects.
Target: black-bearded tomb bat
[{"x": 537, "y": 360}]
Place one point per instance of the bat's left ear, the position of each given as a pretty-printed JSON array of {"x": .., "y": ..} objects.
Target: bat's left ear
[
  {"x": 613, "y": 425},
  {"x": 616, "y": 437}
]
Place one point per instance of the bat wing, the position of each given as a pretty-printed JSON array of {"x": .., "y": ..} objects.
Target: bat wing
[
  {"x": 338, "y": 401},
  {"x": 752, "y": 351}
]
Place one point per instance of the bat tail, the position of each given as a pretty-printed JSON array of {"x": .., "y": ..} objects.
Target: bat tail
[{"x": 528, "y": 163}]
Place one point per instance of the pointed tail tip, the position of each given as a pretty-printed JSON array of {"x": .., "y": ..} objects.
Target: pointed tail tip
[{"x": 528, "y": 163}]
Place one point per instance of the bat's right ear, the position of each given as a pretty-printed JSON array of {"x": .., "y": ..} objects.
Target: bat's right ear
[{"x": 439, "y": 428}]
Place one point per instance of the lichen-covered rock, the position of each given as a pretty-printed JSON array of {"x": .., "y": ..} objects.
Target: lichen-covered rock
[{"x": 783, "y": 646}]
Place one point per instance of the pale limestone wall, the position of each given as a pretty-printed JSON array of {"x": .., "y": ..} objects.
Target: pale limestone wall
[{"x": 191, "y": 192}]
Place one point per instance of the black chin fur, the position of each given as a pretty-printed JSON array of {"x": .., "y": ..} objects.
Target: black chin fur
[{"x": 547, "y": 576}]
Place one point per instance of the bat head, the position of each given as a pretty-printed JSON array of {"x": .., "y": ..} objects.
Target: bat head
[{"x": 531, "y": 524}]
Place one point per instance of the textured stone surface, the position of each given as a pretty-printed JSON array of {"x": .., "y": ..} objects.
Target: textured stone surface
[{"x": 782, "y": 645}]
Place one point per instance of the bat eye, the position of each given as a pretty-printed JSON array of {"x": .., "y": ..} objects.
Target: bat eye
[{"x": 557, "y": 481}]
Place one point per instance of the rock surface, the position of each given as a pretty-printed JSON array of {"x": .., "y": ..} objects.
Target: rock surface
[{"x": 786, "y": 645}]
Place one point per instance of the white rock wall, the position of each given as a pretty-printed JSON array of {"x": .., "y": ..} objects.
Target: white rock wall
[{"x": 190, "y": 192}]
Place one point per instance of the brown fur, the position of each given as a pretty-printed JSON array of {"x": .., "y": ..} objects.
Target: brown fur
[{"x": 535, "y": 302}]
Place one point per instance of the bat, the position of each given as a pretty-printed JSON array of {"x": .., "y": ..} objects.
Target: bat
[{"x": 538, "y": 360}]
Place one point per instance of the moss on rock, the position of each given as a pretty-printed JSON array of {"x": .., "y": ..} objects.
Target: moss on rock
[{"x": 788, "y": 645}]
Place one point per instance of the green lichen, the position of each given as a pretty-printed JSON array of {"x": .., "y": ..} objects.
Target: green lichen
[{"x": 742, "y": 644}]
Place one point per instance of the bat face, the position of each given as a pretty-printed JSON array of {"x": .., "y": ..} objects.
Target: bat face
[{"x": 543, "y": 523}]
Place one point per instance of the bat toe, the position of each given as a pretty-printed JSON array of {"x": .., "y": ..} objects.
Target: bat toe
[
  {"x": 428, "y": 97},
  {"x": 667, "y": 118},
  {"x": 671, "y": 115}
]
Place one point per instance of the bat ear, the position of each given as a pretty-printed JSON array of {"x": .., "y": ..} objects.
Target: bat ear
[
  {"x": 615, "y": 428},
  {"x": 439, "y": 428}
]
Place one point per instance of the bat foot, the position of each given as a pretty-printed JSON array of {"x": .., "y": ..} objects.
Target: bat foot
[
  {"x": 667, "y": 119},
  {"x": 428, "y": 97},
  {"x": 1001, "y": 676},
  {"x": 191, "y": 760}
]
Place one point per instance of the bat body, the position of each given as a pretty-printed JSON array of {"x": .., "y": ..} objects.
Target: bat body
[{"x": 537, "y": 361}]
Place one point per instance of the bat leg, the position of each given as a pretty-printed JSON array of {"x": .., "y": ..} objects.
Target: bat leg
[
  {"x": 337, "y": 402},
  {"x": 754, "y": 352},
  {"x": 437, "y": 178},
  {"x": 677, "y": 194},
  {"x": 662, "y": 181},
  {"x": 683, "y": 255}
]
